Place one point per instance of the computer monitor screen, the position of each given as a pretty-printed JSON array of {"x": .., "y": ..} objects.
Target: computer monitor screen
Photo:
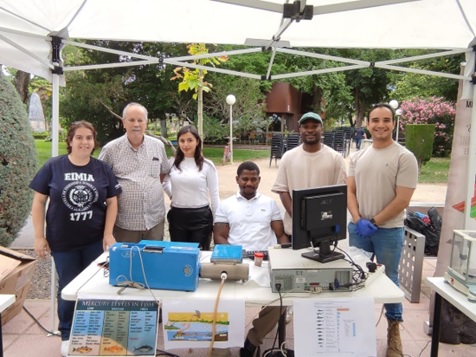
[{"x": 319, "y": 220}]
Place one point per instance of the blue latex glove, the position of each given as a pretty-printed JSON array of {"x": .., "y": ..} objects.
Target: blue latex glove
[{"x": 365, "y": 228}]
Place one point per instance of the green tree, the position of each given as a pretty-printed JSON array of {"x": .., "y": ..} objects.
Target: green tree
[
  {"x": 411, "y": 85},
  {"x": 94, "y": 95},
  {"x": 152, "y": 87},
  {"x": 248, "y": 110},
  {"x": 368, "y": 85},
  {"x": 194, "y": 80},
  {"x": 17, "y": 163},
  {"x": 327, "y": 92},
  {"x": 100, "y": 95}
]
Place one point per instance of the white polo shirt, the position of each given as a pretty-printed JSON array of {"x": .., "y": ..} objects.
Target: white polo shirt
[{"x": 249, "y": 220}]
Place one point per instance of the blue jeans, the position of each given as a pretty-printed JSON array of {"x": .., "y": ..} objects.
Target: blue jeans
[
  {"x": 68, "y": 265},
  {"x": 387, "y": 245}
]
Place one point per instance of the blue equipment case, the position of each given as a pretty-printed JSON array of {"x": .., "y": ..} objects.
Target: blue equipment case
[
  {"x": 167, "y": 265},
  {"x": 226, "y": 253}
]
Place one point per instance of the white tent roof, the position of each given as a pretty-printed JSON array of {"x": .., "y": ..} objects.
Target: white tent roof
[{"x": 25, "y": 25}]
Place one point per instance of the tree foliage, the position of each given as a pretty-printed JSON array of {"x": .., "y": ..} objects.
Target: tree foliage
[
  {"x": 324, "y": 93},
  {"x": 194, "y": 80},
  {"x": 248, "y": 111},
  {"x": 17, "y": 163},
  {"x": 411, "y": 85},
  {"x": 100, "y": 95}
]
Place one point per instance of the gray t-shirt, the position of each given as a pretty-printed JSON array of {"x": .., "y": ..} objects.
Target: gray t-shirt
[
  {"x": 377, "y": 173},
  {"x": 299, "y": 169}
]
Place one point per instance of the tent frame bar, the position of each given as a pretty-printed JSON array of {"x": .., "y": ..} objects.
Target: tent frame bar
[{"x": 179, "y": 61}]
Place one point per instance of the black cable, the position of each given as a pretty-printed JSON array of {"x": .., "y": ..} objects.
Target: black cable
[
  {"x": 164, "y": 353},
  {"x": 278, "y": 287},
  {"x": 359, "y": 276},
  {"x": 39, "y": 324},
  {"x": 424, "y": 348}
]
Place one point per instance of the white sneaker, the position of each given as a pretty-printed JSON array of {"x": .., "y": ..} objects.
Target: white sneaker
[{"x": 64, "y": 348}]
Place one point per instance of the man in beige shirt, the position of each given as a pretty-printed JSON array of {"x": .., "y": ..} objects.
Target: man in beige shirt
[{"x": 311, "y": 164}]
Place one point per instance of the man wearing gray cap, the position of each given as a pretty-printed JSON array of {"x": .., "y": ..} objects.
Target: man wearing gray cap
[{"x": 311, "y": 164}]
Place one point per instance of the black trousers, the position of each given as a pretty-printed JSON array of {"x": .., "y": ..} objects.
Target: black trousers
[{"x": 191, "y": 225}]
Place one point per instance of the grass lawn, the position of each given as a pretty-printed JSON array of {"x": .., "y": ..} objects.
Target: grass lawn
[
  {"x": 434, "y": 171},
  {"x": 43, "y": 150}
]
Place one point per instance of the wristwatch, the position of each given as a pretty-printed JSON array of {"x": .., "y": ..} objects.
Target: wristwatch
[{"x": 373, "y": 222}]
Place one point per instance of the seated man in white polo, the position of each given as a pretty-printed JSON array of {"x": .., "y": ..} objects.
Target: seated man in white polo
[{"x": 253, "y": 221}]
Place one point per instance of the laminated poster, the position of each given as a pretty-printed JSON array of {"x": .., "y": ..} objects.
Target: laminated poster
[
  {"x": 189, "y": 323},
  {"x": 114, "y": 327}
]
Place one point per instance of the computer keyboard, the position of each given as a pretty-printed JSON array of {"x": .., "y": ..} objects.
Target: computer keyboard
[{"x": 250, "y": 254}]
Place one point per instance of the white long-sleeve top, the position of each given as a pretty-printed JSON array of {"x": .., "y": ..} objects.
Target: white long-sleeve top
[{"x": 190, "y": 188}]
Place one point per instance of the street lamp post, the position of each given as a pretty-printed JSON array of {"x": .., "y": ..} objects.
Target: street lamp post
[
  {"x": 394, "y": 104},
  {"x": 230, "y": 100},
  {"x": 398, "y": 112}
]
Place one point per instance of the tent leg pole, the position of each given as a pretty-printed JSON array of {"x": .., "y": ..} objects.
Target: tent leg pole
[{"x": 54, "y": 152}]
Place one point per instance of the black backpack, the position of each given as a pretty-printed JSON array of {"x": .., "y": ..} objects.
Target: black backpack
[{"x": 431, "y": 230}]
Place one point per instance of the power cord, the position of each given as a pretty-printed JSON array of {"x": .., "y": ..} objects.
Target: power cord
[
  {"x": 359, "y": 276},
  {"x": 164, "y": 353},
  {"x": 130, "y": 282},
  {"x": 281, "y": 350},
  {"x": 40, "y": 325},
  {"x": 278, "y": 287},
  {"x": 424, "y": 348},
  {"x": 380, "y": 316}
]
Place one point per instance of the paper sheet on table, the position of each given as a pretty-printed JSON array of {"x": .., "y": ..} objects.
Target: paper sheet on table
[
  {"x": 334, "y": 327},
  {"x": 258, "y": 275},
  {"x": 188, "y": 323}
]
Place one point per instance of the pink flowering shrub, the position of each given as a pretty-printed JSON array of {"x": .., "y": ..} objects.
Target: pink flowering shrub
[{"x": 435, "y": 111}]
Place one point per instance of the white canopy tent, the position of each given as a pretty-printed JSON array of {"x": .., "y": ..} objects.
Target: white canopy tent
[
  {"x": 27, "y": 26},
  {"x": 33, "y": 32}
]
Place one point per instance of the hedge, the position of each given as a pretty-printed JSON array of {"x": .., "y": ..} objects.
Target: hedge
[{"x": 17, "y": 163}]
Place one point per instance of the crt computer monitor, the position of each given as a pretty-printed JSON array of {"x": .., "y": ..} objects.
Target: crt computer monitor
[{"x": 319, "y": 220}]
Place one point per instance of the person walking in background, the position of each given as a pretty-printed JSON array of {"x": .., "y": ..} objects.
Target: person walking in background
[
  {"x": 380, "y": 185},
  {"x": 140, "y": 164},
  {"x": 192, "y": 184},
  {"x": 311, "y": 164},
  {"x": 359, "y": 135},
  {"x": 253, "y": 221},
  {"x": 82, "y": 193}
]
